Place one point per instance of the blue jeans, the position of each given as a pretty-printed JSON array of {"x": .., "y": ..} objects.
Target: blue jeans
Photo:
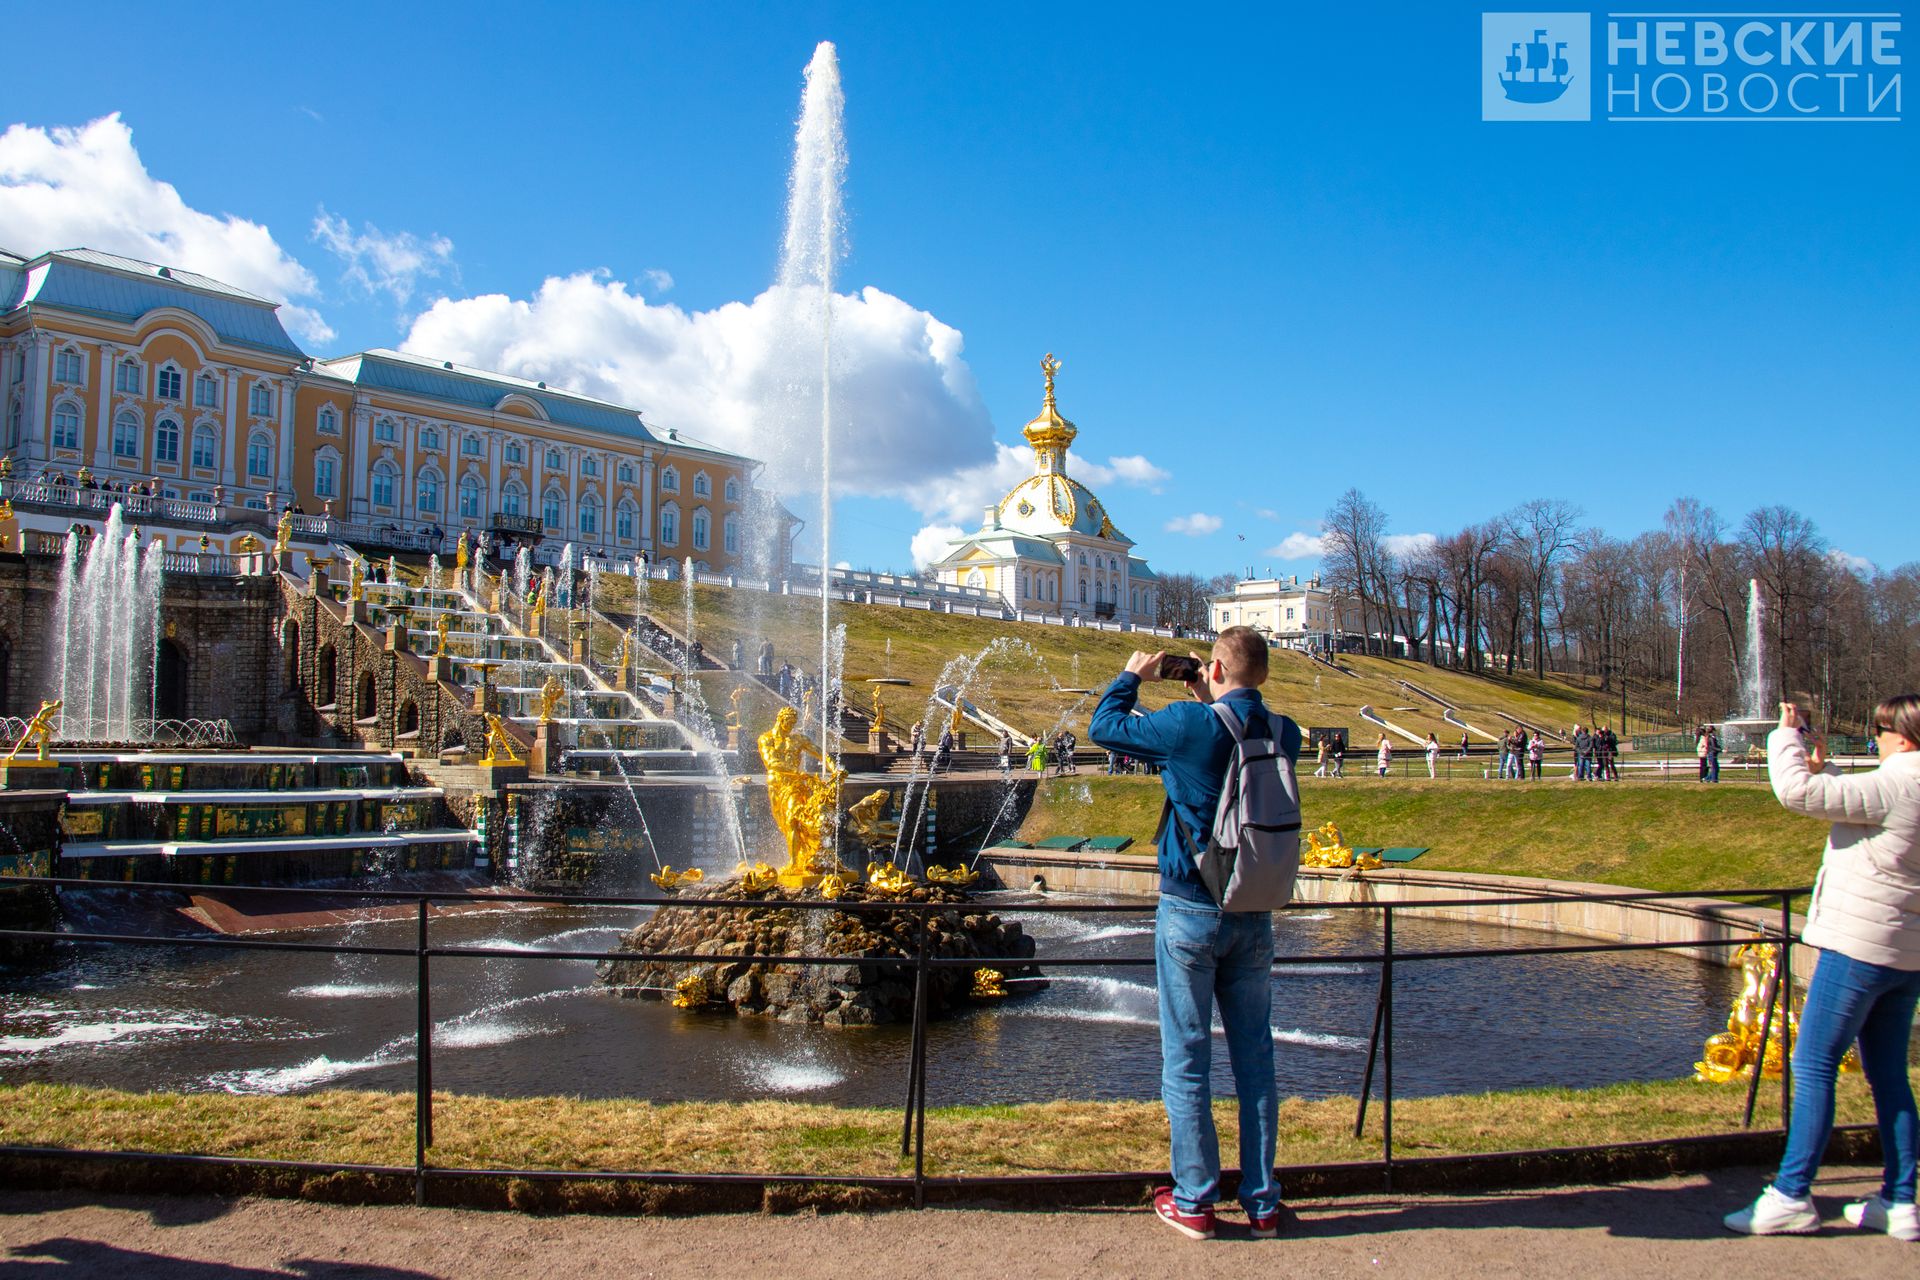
[
  {"x": 1850, "y": 999},
  {"x": 1201, "y": 954}
]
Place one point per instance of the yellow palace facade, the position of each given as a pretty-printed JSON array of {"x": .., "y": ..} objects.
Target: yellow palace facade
[{"x": 137, "y": 373}]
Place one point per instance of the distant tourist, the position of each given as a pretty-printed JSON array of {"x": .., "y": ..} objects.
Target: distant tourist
[
  {"x": 1609, "y": 750},
  {"x": 1385, "y": 755},
  {"x": 1006, "y": 753},
  {"x": 1865, "y": 919},
  {"x": 1339, "y": 757},
  {"x": 1320, "y": 759},
  {"x": 1535, "y": 750},
  {"x": 1707, "y": 747},
  {"x": 1463, "y": 746},
  {"x": 1036, "y": 753},
  {"x": 766, "y": 657},
  {"x": 1433, "y": 753},
  {"x": 1582, "y": 753},
  {"x": 739, "y": 654},
  {"x": 1201, "y": 951},
  {"x": 918, "y": 743},
  {"x": 943, "y": 754}
]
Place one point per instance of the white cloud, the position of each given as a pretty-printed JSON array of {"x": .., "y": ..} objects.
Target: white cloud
[
  {"x": 382, "y": 263},
  {"x": 1267, "y": 513},
  {"x": 745, "y": 375},
  {"x": 1299, "y": 546},
  {"x": 66, "y": 188},
  {"x": 930, "y": 543},
  {"x": 1197, "y": 525},
  {"x": 1408, "y": 544},
  {"x": 1133, "y": 470},
  {"x": 658, "y": 280},
  {"x": 1847, "y": 562}
]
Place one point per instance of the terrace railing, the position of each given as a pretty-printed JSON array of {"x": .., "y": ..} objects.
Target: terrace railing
[{"x": 1378, "y": 1080}]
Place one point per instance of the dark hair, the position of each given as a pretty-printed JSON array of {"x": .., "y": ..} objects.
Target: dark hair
[
  {"x": 1901, "y": 713},
  {"x": 1244, "y": 655}
]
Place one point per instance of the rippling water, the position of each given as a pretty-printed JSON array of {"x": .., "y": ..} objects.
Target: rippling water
[{"x": 171, "y": 1017}]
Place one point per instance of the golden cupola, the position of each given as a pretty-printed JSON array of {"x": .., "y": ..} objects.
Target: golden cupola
[{"x": 1049, "y": 433}]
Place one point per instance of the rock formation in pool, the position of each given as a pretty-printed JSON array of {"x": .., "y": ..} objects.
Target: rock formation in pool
[{"x": 835, "y": 994}]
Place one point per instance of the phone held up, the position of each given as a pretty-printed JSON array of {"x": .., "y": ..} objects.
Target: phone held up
[{"x": 1173, "y": 667}]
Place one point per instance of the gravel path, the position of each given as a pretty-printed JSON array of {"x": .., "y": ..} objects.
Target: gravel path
[{"x": 1657, "y": 1229}]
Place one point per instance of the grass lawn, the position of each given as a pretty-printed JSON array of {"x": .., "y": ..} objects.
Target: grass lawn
[
  {"x": 1020, "y": 682},
  {"x": 1675, "y": 836},
  {"x": 786, "y": 1137}
]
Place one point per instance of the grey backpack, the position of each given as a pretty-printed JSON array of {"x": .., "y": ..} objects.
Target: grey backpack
[{"x": 1252, "y": 854}]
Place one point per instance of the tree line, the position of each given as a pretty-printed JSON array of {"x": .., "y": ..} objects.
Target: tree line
[{"x": 1664, "y": 613}]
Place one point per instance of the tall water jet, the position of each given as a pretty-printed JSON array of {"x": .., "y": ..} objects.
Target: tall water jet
[
  {"x": 109, "y": 609},
  {"x": 1753, "y": 670},
  {"x": 812, "y": 248}
]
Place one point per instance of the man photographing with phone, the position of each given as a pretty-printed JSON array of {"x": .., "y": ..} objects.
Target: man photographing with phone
[{"x": 1202, "y": 952}]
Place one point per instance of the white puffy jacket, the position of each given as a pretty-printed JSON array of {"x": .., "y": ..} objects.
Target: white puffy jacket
[{"x": 1866, "y": 902}]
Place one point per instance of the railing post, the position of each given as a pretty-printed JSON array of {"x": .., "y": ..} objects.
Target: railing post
[
  {"x": 1373, "y": 1050},
  {"x": 1766, "y": 1033},
  {"x": 913, "y": 1061},
  {"x": 1386, "y": 1097},
  {"x": 422, "y": 1063},
  {"x": 1786, "y": 1011}
]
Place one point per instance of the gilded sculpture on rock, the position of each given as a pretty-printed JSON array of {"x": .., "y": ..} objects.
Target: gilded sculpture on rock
[
  {"x": 499, "y": 744},
  {"x": 803, "y": 803},
  {"x": 38, "y": 731}
]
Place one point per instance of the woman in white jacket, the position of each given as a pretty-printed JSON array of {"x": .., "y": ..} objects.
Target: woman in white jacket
[{"x": 1865, "y": 919}]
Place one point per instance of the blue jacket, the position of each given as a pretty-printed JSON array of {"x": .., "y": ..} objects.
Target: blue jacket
[{"x": 1192, "y": 747}]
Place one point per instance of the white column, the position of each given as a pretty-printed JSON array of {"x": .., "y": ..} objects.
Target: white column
[
  {"x": 410, "y": 429},
  {"x": 496, "y": 462},
  {"x": 227, "y": 474},
  {"x": 646, "y": 500},
  {"x": 103, "y": 430},
  {"x": 358, "y": 461},
  {"x": 286, "y": 438},
  {"x": 33, "y": 421}
]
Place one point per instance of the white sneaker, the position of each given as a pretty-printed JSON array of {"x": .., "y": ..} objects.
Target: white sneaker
[
  {"x": 1773, "y": 1215},
  {"x": 1901, "y": 1221}
]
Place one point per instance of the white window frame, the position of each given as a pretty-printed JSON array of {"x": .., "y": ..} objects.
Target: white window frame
[
  {"x": 126, "y": 434},
  {"x": 211, "y": 434},
  {"x": 129, "y": 376},
  {"x": 386, "y": 480},
  {"x": 259, "y": 448},
  {"x": 669, "y": 480},
  {"x": 426, "y": 491},
  {"x": 702, "y": 486},
  {"x": 669, "y": 524},
  {"x": 70, "y": 367},
  {"x": 386, "y": 431},
  {"x": 326, "y": 474},
  {"x": 170, "y": 373},
  {"x": 701, "y": 527},
  {"x": 77, "y": 424},
  {"x": 472, "y": 498},
  {"x": 160, "y": 441},
  {"x": 260, "y": 403},
  {"x": 206, "y": 391}
]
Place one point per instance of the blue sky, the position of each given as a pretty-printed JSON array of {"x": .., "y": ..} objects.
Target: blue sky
[{"x": 1276, "y": 247}]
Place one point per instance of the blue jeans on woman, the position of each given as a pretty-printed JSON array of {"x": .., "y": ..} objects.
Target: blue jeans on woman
[
  {"x": 1851, "y": 1000},
  {"x": 1201, "y": 954}
]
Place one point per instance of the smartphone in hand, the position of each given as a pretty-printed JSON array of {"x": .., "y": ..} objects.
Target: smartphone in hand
[{"x": 1173, "y": 667}]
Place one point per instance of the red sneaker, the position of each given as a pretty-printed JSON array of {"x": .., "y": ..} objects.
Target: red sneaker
[
  {"x": 1264, "y": 1227},
  {"x": 1194, "y": 1226}
]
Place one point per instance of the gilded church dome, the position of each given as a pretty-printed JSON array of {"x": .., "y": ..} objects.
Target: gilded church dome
[{"x": 1050, "y": 502}]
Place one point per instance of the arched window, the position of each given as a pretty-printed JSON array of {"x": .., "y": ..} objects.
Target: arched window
[
  {"x": 383, "y": 430},
  {"x": 469, "y": 498},
  {"x": 68, "y": 366},
  {"x": 126, "y": 435},
  {"x": 553, "y": 510},
  {"x": 326, "y": 468},
  {"x": 206, "y": 391},
  {"x": 260, "y": 455},
  {"x": 733, "y": 489},
  {"x": 623, "y": 518},
  {"x": 472, "y": 446},
  {"x": 553, "y": 460},
  {"x": 384, "y": 478},
  {"x": 1023, "y": 585},
  {"x": 700, "y": 529},
  {"x": 329, "y": 420},
  {"x": 430, "y": 439},
  {"x": 589, "y": 466},
  {"x": 702, "y": 487},
  {"x": 66, "y": 425},
  {"x": 512, "y": 498},
  {"x": 670, "y": 525},
  {"x": 590, "y": 515},
  {"x": 730, "y": 535},
  {"x": 426, "y": 491},
  {"x": 126, "y": 377},
  {"x": 166, "y": 385},
  {"x": 166, "y": 441},
  {"x": 669, "y": 480},
  {"x": 514, "y": 453},
  {"x": 976, "y": 579},
  {"x": 1083, "y": 591},
  {"x": 260, "y": 403},
  {"x": 626, "y": 473},
  {"x": 203, "y": 447}
]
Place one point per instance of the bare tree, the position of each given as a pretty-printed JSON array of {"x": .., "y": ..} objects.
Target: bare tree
[
  {"x": 1541, "y": 533},
  {"x": 1354, "y": 560}
]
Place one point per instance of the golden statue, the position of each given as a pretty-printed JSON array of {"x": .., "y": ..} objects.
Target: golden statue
[
  {"x": 1732, "y": 1053},
  {"x": 283, "y": 532},
  {"x": 1328, "y": 848},
  {"x": 867, "y": 822},
  {"x": 550, "y": 694},
  {"x": 460, "y": 553},
  {"x": 803, "y": 803},
  {"x": 756, "y": 878},
  {"x": 953, "y": 721},
  {"x": 6, "y": 467},
  {"x": 499, "y": 744},
  {"x": 356, "y": 580},
  {"x": 690, "y": 992},
  {"x": 957, "y": 876},
  {"x": 669, "y": 879},
  {"x": 988, "y": 984},
  {"x": 39, "y": 730},
  {"x": 9, "y": 524},
  {"x": 886, "y": 878},
  {"x": 440, "y": 636},
  {"x": 733, "y": 716},
  {"x": 539, "y": 608},
  {"x": 832, "y": 886},
  {"x": 620, "y": 654},
  {"x": 879, "y": 711},
  {"x": 806, "y": 705}
]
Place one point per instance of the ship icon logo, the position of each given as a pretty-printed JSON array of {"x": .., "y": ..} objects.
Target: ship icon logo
[
  {"x": 1536, "y": 66},
  {"x": 1544, "y": 79}
]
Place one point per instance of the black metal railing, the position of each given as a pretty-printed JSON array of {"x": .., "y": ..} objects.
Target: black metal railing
[{"x": 913, "y": 1133}]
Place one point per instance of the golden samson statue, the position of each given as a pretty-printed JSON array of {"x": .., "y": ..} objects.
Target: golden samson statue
[{"x": 804, "y": 804}]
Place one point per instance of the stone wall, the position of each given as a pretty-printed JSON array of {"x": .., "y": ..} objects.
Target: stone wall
[{"x": 218, "y": 659}]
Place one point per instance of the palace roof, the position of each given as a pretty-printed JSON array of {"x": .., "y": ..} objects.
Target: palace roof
[{"x": 89, "y": 282}]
